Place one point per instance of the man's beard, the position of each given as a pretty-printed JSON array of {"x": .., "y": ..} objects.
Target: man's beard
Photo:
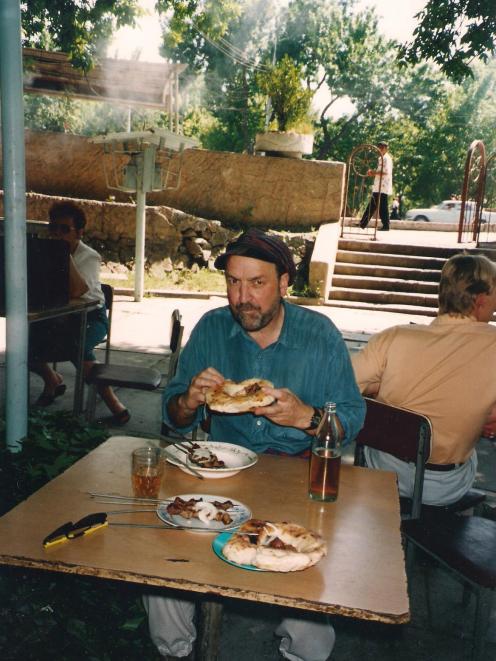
[{"x": 251, "y": 318}]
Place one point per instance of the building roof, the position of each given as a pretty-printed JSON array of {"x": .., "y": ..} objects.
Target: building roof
[{"x": 125, "y": 81}]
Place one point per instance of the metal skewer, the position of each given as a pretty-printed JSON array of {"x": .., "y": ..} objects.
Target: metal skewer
[
  {"x": 183, "y": 463},
  {"x": 147, "y": 509},
  {"x": 134, "y": 499},
  {"x": 164, "y": 527}
]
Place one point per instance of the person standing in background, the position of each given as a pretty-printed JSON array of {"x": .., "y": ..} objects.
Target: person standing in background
[
  {"x": 395, "y": 209},
  {"x": 381, "y": 189}
]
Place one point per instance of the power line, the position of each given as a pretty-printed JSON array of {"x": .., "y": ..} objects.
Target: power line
[{"x": 230, "y": 51}]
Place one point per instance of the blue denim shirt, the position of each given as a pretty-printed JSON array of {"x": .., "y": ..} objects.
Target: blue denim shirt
[{"x": 309, "y": 358}]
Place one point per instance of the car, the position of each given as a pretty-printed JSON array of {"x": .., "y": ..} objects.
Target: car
[{"x": 446, "y": 212}]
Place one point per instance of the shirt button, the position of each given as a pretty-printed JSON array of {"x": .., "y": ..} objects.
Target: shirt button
[{"x": 259, "y": 423}]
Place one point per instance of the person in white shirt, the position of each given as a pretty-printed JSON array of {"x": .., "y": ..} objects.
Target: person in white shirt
[
  {"x": 67, "y": 222},
  {"x": 381, "y": 189}
]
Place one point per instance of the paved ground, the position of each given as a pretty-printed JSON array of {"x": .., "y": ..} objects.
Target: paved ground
[{"x": 439, "y": 633}]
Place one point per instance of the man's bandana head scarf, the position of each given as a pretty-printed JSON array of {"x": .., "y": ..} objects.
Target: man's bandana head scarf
[{"x": 259, "y": 245}]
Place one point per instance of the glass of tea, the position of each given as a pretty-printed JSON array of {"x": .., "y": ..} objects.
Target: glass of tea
[{"x": 147, "y": 470}]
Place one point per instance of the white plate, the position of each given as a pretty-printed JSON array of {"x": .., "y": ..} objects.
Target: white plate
[
  {"x": 235, "y": 457},
  {"x": 239, "y": 514}
]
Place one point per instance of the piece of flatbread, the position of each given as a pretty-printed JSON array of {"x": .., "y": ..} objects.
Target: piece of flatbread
[
  {"x": 280, "y": 547},
  {"x": 232, "y": 397}
]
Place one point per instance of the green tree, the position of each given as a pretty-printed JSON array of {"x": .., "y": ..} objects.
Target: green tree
[
  {"x": 290, "y": 102},
  {"x": 78, "y": 27},
  {"x": 453, "y": 33},
  {"x": 342, "y": 51},
  {"x": 223, "y": 42},
  {"x": 437, "y": 157}
]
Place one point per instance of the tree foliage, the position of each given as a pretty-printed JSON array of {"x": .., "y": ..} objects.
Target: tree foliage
[
  {"x": 78, "y": 27},
  {"x": 228, "y": 44},
  {"x": 290, "y": 101},
  {"x": 453, "y": 33}
]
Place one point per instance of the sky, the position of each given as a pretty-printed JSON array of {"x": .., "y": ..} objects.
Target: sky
[
  {"x": 395, "y": 17},
  {"x": 396, "y": 20}
]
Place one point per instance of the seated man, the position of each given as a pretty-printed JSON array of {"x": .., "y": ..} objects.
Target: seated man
[
  {"x": 303, "y": 354},
  {"x": 445, "y": 370},
  {"x": 67, "y": 222}
]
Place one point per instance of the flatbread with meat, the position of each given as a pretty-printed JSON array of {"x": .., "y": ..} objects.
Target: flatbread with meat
[
  {"x": 232, "y": 397},
  {"x": 281, "y": 547}
]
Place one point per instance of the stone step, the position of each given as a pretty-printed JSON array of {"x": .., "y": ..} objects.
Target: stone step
[
  {"x": 384, "y": 297},
  {"x": 388, "y": 259},
  {"x": 392, "y": 284},
  {"x": 401, "y": 249},
  {"x": 403, "y": 309},
  {"x": 371, "y": 270}
]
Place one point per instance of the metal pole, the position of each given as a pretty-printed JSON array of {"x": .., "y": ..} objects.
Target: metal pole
[
  {"x": 140, "y": 242},
  {"x": 170, "y": 106},
  {"x": 176, "y": 96},
  {"x": 12, "y": 112}
]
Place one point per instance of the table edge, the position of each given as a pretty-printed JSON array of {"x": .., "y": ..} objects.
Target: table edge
[{"x": 191, "y": 586}]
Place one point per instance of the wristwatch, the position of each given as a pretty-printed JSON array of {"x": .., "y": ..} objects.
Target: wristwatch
[{"x": 315, "y": 419}]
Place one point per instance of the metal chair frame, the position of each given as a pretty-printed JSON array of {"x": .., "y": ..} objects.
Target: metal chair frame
[
  {"x": 402, "y": 433},
  {"x": 125, "y": 376}
]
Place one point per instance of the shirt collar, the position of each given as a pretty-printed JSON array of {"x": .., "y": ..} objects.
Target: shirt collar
[{"x": 444, "y": 319}]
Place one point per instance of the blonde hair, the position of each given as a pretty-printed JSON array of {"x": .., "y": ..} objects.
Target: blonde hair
[{"x": 462, "y": 278}]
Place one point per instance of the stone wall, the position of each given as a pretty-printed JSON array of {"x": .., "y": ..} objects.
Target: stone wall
[
  {"x": 233, "y": 188},
  {"x": 174, "y": 239}
]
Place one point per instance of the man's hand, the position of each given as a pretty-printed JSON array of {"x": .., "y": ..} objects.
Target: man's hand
[
  {"x": 182, "y": 408},
  {"x": 195, "y": 395},
  {"x": 288, "y": 410}
]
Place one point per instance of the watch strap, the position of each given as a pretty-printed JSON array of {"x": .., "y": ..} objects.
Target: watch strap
[{"x": 315, "y": 419}]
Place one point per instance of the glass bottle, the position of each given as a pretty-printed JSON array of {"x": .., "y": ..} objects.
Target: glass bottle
[{"x": 325, "y": 460}]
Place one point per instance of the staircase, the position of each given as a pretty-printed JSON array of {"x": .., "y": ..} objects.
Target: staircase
[{"x": 388, "y": 277}]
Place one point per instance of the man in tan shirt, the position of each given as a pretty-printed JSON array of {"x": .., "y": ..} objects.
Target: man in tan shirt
[{"x": 446, "y": 371}]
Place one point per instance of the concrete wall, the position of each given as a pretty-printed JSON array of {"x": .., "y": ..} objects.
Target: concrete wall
[
  {"x": 323, "y": 259},
  {"x": 232, "y": 188}
]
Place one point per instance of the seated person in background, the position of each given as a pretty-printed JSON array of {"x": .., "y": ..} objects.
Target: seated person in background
[
  {"x": 445, "y": 370},
  {"x": 47, "y": 338},
  {"x": 303, "y": 354}
]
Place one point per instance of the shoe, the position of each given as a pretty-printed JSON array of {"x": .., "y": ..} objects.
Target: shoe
[
  {"x": 363, "y": 224},
  {"x": 383, "y": 229},
  {"x": 116, "y": 420},
  {"x": 45, "y": 399}
]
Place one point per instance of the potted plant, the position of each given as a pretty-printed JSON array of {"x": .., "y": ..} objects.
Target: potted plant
[{"x": 291, "y": 133}]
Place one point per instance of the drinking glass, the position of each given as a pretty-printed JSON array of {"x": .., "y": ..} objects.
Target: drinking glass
[{"x": 147, "y": 470}]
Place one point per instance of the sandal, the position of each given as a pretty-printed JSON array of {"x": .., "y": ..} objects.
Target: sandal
[
  {"x": 45, "y": 399},
  {"x": 117, "y": 420}
]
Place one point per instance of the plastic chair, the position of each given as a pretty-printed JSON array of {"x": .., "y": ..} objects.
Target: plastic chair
[
  {"x": 402, "y": 433},
  {"x": 407, "y": 436},
  {"x": 176, "y": 339},
  {"x": 466, "y": 545},
  {"x": 127, "y": 376},
  {"x": 108, "y": 294}
]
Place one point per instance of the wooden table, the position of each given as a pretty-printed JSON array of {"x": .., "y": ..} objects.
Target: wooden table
[
  {"x": 81, "y": 307},
  {"x": 362, "y": 576}
]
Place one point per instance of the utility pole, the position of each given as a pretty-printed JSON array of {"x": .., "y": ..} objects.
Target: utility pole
[{"x": 268, "y": 104}]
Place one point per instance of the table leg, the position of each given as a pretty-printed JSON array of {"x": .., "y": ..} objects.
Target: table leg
[
  {"x": 209, "y": 630},
  {"x": 79, "y": 381}
]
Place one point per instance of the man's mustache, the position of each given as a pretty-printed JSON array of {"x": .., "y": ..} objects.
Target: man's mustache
[{"x": 246, "y": 307}]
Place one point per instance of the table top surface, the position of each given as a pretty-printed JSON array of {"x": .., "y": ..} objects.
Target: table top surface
[
  {"x": 74, "y": 305},
  {"x": 362, "y": 576}
]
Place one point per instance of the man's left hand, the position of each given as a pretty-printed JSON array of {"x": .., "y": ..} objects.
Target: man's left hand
[{"x": 288, "y": 410}]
